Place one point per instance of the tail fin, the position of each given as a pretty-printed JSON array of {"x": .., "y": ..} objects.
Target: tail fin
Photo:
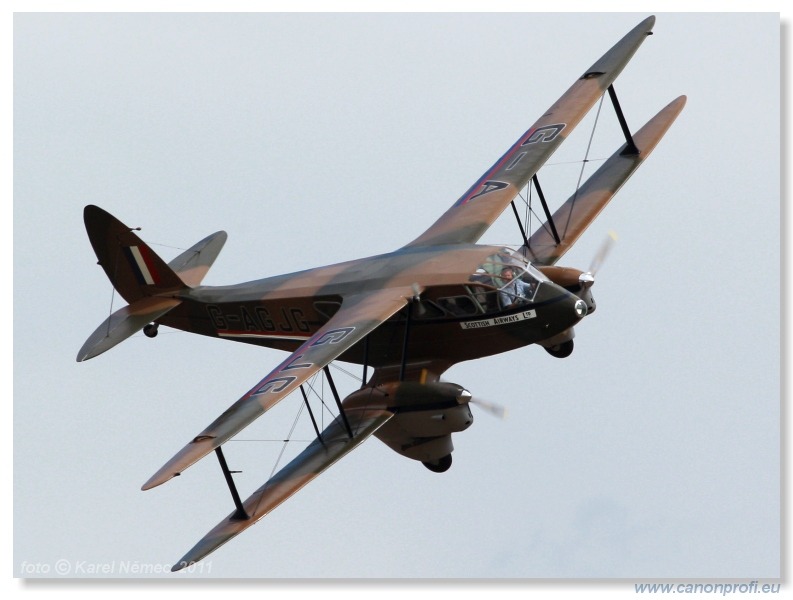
[
  {"x": 141, "y": 277},
  {"x": 132, "y": 267}
]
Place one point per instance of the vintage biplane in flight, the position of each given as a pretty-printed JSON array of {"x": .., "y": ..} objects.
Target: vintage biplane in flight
[{"x": 407, "y": 315}]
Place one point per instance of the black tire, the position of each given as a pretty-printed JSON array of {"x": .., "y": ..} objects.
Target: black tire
[
  {"x": 441, "y": 465},
  {"x": 150, "y": 330},
  {"x": 562, "y": 350}
]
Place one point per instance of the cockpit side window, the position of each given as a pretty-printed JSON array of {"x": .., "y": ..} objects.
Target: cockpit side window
[
  {"x": 491, "y": 289},
  {"x": 515, "y": 280},
  {"x": 519, "y": 288}
]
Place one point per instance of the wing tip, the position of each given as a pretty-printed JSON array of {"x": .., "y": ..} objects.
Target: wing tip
[
  {"x": 158, "y": 479},
  {"x": 672, "y": 110},
  {"x": 96, "y": 345},
  {"x": 182, "y": 564},
  {"x": 195, "y": 450}
]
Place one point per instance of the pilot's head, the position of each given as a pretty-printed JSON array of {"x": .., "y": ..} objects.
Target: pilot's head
[{"x": 507, "y": 273}]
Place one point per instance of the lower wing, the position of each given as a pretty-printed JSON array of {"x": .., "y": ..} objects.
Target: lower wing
[
  {"x": 358, "y": 316},
  {"x": 578, "y": 212},
  {"x": 334, "y": 443}
]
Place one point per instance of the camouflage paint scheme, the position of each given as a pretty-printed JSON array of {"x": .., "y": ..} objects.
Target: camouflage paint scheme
[{"x": 410, "y": 314}]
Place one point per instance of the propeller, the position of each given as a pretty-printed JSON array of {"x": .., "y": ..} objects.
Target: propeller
[
  {"x": 588, "y": 278},
  {"x": 494, "y": 409}
]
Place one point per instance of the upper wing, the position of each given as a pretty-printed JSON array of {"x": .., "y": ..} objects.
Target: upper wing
[
  {"x": 475, "y": 211},
  {"x": 358, "y": 315},
  {"x": 575, "y": 215},
  {"x": 315, "y": 459}
]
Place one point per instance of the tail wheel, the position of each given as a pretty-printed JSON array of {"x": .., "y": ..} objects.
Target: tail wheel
[
  {"x": 562, "y": 350},
  {"x": 441, "y": 465},
  {"x": 150, "y": 330}
]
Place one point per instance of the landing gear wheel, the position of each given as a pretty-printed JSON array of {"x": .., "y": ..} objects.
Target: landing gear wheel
[
  {"x": 562, "y": 350},
  {"x": 441, "y": 465},
  {"x": 150, "y": 330}
]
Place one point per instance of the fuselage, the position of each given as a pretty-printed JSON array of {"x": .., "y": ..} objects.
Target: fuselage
[{"x": 458, "y": 315}]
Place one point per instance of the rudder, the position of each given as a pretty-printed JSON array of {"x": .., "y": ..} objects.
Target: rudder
[{"x": 133, "y": 268}]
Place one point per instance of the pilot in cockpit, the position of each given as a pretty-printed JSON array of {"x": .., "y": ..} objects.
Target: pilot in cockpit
[{"x": 515, "y": 292}]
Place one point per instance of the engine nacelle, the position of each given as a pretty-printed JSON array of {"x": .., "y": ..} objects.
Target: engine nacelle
[
  {"x": 574, "y": 281},
  {"x": 426, "y": 414}
]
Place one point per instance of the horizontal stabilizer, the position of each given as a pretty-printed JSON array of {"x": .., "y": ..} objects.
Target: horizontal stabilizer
[
  {"x": 578, "y": 212},
  {"x": 192, "y": 265},
  {"x": 315, "y": 459},
  {"x": 123, "y": 323}
]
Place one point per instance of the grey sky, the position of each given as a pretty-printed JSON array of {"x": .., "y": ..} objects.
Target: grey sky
[{"x": 652, "y": 452}]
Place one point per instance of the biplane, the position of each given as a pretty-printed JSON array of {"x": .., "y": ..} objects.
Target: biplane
[{"x": 406, "y": 316}]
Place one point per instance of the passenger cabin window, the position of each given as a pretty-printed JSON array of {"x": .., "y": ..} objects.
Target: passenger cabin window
[{"x": 459, "y": 306}]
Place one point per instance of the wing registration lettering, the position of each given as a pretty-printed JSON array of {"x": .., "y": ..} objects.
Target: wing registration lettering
[
  {"x": 489, "y": 186},
  {"x": 548, "y": 133},
  {"x": 279, "y": 384},
  {"x": 334, "y": 336}
]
